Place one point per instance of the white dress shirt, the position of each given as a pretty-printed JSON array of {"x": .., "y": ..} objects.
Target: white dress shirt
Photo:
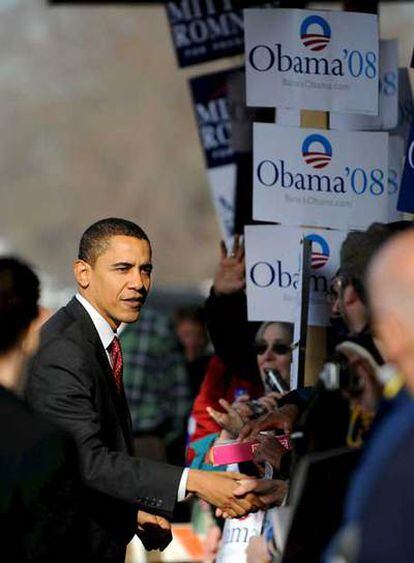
[{"x": 106, "y": 335}]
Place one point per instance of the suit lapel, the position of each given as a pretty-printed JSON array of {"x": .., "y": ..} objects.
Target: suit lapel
[{"x": 88, "y": 329}]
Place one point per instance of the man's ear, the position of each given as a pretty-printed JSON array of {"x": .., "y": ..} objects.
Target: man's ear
[
  {"x": 82, "y": 273},
  {"x": 392, "y": 336}
]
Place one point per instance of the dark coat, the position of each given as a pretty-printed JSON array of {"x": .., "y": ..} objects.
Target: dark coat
[
  {"x": 71, "y": 381},
  {"x": 39, "y": 488}
]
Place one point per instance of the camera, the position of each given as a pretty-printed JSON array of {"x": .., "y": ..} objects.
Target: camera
[{"x": 337, "y": 375}]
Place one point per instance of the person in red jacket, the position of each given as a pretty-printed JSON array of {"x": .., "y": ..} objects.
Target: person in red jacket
[{"x": 219, "y": 383}]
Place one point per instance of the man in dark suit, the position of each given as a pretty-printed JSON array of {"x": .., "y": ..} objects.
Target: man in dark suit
[
  {"x": 76, "y": 380},
  {"x": 39, "y": 478}
]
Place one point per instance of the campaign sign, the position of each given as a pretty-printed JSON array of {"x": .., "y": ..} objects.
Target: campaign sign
[
  {"x": 405, "y": 105},
  {"x": 395, "y": 167},
  {"x": 288, "y": 117},
  {"x": 211, "y": 106},
  {"x": 222, "y": 180},
  {"x": 387, "y": 117},
  {"x": 315, "y": 60},
  {"x": 406, "y": 196},
  {"x": 205, "y": 30},
  {"x": 273, "y": 271},
  {"x": 310, "y": 177}
]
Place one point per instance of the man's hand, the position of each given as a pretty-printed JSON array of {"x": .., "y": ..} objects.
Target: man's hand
[
  {"x": 217, "y": 488},
  {"x": 230, "y": 274},
  {"x": 271, "y": 492},
  {"x": 270, "y": 450},
  {"x": 269, "y": 401},
  {"x": 153, "y": 531},
  {"x": 280, "y": 419}
]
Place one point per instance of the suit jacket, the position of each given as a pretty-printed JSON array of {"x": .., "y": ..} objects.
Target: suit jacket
[
  {"x": 383, "y": 492},
  {"x": 71, "y": 381},
  {"x": 39, "y": 488}
]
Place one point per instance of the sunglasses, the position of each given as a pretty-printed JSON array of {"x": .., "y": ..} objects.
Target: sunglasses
[{"x": 276, "y": 348}]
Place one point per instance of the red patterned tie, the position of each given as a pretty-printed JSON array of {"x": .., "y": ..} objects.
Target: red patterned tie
[{"x": 115, "y": 353}]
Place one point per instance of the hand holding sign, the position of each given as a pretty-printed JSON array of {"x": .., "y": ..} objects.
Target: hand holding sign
[{"x": 230, "y": 274}]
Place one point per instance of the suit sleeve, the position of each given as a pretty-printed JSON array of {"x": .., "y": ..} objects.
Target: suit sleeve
[{"x": 61, "y": 387}]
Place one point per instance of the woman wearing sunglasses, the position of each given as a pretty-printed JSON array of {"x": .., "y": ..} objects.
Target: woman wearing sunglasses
[{"x": 273, "y": 347}]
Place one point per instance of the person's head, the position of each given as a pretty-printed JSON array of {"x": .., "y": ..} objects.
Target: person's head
[
  {"x": 356, "y": 252},
  {"x": 113, "y": 269},
  {"x": 191, "y": 331},
  {"x": 19, "y": 312},
  {"x": 273, "y": 345},
  {"x": 391, "y": 294}
]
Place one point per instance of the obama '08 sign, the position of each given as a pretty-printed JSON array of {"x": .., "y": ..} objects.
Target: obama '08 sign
[
  {"x": 315, "y": 60},
  {"x": 273, "y": 271},
  {"x": 319, "y": 178}
]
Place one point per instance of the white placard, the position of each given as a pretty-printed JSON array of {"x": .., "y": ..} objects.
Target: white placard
[
  {"x": 387, "y": 117},
  {"x": 237, "y": 533},
  {"x": 395, "y": 168},
  {"x": 273, "y": 271},
  {"x": 319, "y": 178},
  {"x": 222, "y": 180},
  {"x": 309, "y": 59},
  {"x": 288, "y": 117}
]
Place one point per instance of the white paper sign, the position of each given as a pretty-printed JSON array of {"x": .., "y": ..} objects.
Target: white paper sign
[
  {"x": 308, "y": 59},
  {"x": 237, "y": 533},
  {"x": 288, "y": 117},
  {"x": 395, "y": 167},
  {"x": 273, "y": 271},
  {"x": 387, "y": 117},
  {"x": 319, "y": 178},
  {"x": 222, "y": 180}
]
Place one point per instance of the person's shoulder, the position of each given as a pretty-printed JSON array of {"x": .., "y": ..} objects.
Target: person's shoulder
[
  {"x": 61, "y": 324},
  {"x": 62, "y": 334},
  {"x": 26, "y": 431}
]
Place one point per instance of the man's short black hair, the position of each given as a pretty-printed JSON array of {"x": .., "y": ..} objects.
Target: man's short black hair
[
  {"x": 19, "y": 296},
  {"x": 94, "y": 240},
  {"x": 358, "y": 249}
]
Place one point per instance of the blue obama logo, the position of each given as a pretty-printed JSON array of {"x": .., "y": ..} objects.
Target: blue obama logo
[
  {"x": 320, "y": 251},
  {"x": 317, "y": 158},
  {"x": 315, "y": 41}
]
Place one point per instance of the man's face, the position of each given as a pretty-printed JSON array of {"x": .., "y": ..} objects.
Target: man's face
[{"x": 119, "y": 281}]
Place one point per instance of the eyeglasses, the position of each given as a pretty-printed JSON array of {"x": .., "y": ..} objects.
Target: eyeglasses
[
  {"x": 276, "y": 348},
  {"x": 334, "y": 292}
]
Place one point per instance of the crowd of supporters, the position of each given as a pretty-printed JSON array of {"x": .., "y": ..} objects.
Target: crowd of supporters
[{"x": 335, "y": 455}]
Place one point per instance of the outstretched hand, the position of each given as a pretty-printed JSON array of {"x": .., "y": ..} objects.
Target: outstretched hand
[
  {"x": 230, "y": 273},
  {"x": 217, "y": 488},
  {"x": 269, "y": 493},
  {"x": 283, "y": 418},
  {"x": 231, "y": 420}
]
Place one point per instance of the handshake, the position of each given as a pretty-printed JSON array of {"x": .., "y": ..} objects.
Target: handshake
[{"x": 234, "y": 494}]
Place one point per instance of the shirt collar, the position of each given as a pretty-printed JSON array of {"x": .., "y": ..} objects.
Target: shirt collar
[{"x": 103, "y": 328}]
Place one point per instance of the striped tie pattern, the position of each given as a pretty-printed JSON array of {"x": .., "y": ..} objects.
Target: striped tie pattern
[{"x": 115, "y": 353}]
